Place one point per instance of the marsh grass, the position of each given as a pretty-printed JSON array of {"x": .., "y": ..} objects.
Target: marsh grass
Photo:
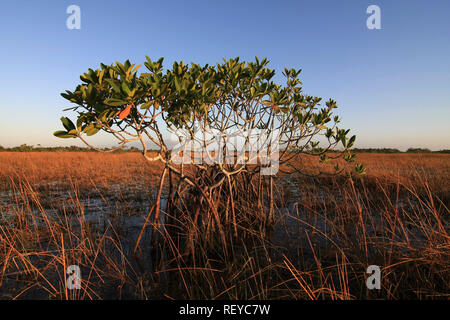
[{"x": 95, "y": 211}]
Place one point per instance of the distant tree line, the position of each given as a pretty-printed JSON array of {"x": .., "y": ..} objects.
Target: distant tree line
[
  {"x": 39, "y": 148},
  {"x": 376, "y": 150},
  {"x": 393, "y": 150}
]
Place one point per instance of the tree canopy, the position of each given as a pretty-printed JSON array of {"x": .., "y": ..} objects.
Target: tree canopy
[{"x": 232, "y": 96}]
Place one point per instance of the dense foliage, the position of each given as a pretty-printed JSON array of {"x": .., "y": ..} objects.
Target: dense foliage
[
  {"x": 235, "y": 95},
  {"x": 228, "y": 99}
]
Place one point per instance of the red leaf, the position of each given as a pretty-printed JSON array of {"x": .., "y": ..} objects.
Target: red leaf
[{"x": 125, "y": 112}]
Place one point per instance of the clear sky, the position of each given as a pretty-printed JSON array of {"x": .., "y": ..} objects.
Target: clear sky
[{"x": 392, "y": 85}]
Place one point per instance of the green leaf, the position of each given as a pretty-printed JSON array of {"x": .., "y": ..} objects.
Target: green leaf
[
  {"x": 146, "y": 105},
  {"x": 63, "y": 134},
  {"x": 80, "y": 121},
  {"x": 351, "y": 142},
  {"x": 125, "y": 88},
  {"x": 115, "y": 102},
  {"x": 67, "y": 123},
  {"x": 91, "y": 129},
  {"x": 359, "y": 168}
]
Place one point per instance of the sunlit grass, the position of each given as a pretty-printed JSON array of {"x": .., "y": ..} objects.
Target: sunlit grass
[{"x": 89, "y": 209}]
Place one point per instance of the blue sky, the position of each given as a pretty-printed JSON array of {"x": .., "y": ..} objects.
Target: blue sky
[{"x": 392, "y": 85}]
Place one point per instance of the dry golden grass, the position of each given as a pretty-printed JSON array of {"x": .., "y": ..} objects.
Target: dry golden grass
[
  {"x": 48, "y": 167},
  {"x": 100, "y": 168},
  {"x": 395, "y": 216}
]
